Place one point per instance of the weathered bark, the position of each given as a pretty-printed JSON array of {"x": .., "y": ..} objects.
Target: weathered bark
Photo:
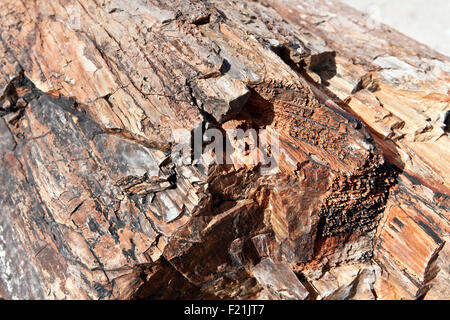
[{"x": 94, "y": 207}]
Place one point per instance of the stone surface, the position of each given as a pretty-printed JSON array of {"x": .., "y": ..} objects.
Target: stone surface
[
  {"x": 93, "y": 205},
  {"x": 426, "y": 22}
]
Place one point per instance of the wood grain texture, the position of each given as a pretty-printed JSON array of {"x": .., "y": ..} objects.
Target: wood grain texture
[{"x": 92, "y": 205}]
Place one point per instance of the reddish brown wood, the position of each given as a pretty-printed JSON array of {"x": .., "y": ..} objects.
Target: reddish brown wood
[{"x": 93, "y": 206}]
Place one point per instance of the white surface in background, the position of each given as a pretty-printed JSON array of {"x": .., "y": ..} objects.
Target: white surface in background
[{"x": 426, "y": 21}]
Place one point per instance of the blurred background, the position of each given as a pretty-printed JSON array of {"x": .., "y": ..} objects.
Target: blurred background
[{"x": 427, "y": 21}]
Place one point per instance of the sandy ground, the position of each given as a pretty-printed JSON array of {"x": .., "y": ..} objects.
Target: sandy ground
[{"x": 427, "y": 21}]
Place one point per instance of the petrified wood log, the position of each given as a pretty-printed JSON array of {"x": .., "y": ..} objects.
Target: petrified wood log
[{"x": 93, "y": 204}]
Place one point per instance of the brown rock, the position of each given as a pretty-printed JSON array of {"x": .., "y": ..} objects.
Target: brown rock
[{"x": 94, "y": 206}]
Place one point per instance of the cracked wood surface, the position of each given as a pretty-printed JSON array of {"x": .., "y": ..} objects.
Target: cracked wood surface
[{"x": 93, "y": 207}]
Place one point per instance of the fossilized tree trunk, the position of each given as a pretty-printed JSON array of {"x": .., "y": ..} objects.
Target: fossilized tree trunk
[{"x": 92, "y": 204}]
